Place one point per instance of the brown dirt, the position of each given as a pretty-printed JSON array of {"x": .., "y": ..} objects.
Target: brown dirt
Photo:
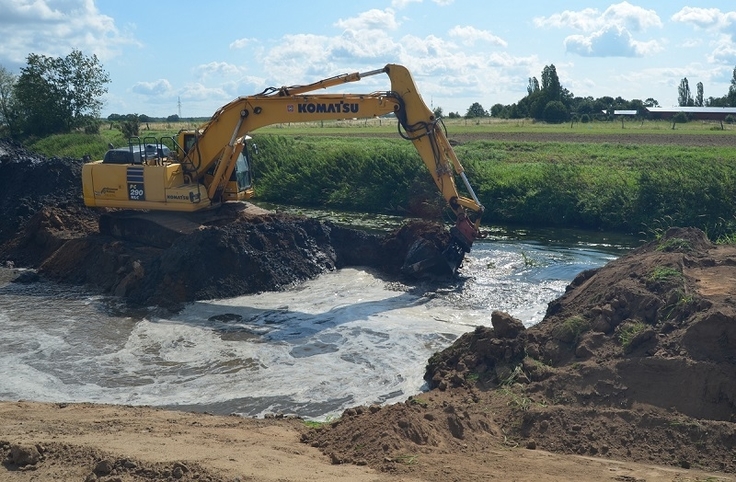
[{"x": 631, "y": 376}]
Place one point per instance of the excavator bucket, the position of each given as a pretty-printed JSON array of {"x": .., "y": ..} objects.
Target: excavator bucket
[
  {"x": 424, "y": 259},
  {"x": 435, "y": 254}
]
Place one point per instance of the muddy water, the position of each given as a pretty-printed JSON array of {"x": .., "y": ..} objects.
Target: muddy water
[{"x": 344, "y": 339}]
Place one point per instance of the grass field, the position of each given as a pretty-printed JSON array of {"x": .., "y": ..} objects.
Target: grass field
[{"x": 644, "y": 176}]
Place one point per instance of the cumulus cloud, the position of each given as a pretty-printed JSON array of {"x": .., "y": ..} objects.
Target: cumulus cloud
[
  {"x": 623, "y": 15},
  {"x": 610, "y": 42},
  {"x": 721, "y": 24},
  {"x": 241, "y": 43},
  {"x": 217, "y": 69},
  {"x": 158, "y": 87},
  {"x": 609, "y": 33},
  {"x": 373, "y": 19},
  {"x": 56, "y": 27},
  {"x": 700, "y": 17},
  {"x": 469, "y": 35}
]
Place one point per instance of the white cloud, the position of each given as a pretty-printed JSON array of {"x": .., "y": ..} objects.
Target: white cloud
[
  {"x": 723, "y": 24},
  {"x": 373, "y": 19},
  {"x": 217, "y": 69},
  {"x": 469, "y": 35},
  {"x": 403, "y": 3},
  {"x": 607, "y": 33},
  {"x": 610, "y": 42},
  {"x": 700, "y": 17},
  {"x": 241, "y": 43},
  {"x": 55, "y": 27},
  {"x": 623, "y": 15},
  {"x": 159, "y": 87}
]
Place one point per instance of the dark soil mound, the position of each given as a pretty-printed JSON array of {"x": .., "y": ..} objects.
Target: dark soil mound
[{"x": 636, "y": 361}]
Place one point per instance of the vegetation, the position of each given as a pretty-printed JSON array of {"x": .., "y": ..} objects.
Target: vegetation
[
  {"x": 53, "y": 95},
  {"x": 628, "y": 331},
  {"x": 631, "y": 188}
]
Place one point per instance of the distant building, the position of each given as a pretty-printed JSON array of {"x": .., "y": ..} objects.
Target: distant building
[
  {"x": 695, "y": 113},
  {"x": 625, "y": 112}
]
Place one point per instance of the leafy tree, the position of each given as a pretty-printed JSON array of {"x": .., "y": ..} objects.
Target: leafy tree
[
  {"x": 437, "y": 112},
  {"x": 533, "y": 85},
  {"x": 453, "y": 115},
  {"x": 498, "y": 110},
  {"x": 175, "y": 117},
  {"x": 59, "y": 94},
  {"x": 699, "y": 101},
  {"x": 131, "y": 126},
  {"x": 684, "y": 97},
  {"x": 551, "y": 83},
  {"x": 555, "y": 112},
  {"x": 476, "y": 110},
  {"x": 8, "y": 108},
  {"x": 732, "y": 90},
  {"x": 651, "y": 102}
]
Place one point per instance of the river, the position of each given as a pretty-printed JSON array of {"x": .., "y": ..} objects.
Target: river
[{"x": 346, "y": 338}]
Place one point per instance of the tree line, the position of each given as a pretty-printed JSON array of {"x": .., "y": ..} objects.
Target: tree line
[
  {"x": 549, "y": 101},
  {"x": 60, "y": 95}
]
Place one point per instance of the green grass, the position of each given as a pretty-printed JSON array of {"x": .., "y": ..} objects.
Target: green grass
[
  {"x": 628, "y": 331},
  {"x": 610, "y": 186},
  {"x": 665, "y": 274},
  {"x": 570, "y": 330}
]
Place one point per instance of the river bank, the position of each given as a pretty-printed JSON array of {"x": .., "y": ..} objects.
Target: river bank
[{"x": 103, "y": 442}]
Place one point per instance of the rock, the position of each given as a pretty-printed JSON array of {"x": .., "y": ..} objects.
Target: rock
[
  {"x": 104, "y": 467},
  {"x": 22, "y": 455},
  {"x": 505, "y": 325}
]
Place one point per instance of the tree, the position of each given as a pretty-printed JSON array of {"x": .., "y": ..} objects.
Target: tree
[
  {"x": 476, "y": 110},
  {"x": 437, "y": 112},
  {"x": 732, "y": 90},
  {"x": 651, "y": 102},
  {"x": 497, "y": 110},
  {"x": 684, "y": 97},
  {"x": 175, "y": 117},
  {"x": 555, "y": 112},
  {"x": 699, "y": 101},
  {"x": 533, "y": 85},
  {"x": 551, "y": 83},
  {"x": 8, "y": 109},
  {"x": 60, "y": 94}
]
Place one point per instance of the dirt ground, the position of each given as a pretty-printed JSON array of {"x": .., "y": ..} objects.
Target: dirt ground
[{"x": 631, "y": 376}]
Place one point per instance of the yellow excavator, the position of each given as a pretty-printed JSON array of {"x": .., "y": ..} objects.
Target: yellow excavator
[{"x": 201, "y": 169}]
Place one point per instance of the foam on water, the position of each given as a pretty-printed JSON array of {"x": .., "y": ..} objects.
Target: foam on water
[{"x": 346, "y": 338}]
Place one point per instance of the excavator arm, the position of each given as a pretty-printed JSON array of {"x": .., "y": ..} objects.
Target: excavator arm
[{"x": 296, "y": 104}]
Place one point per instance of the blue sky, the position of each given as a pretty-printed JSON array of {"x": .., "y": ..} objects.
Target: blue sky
[{"x": 204, "y": 54}]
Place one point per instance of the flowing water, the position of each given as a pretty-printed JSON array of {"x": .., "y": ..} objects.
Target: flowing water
[{"x": 344, "y": 339}]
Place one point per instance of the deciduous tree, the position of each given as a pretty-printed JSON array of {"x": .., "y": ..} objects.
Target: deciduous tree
[
  {"x": 8, "y": 108},
  {"x": 684, "y": 97},
  {"x": 476, "y": 110},
  {"x": 60, "y": 94}
]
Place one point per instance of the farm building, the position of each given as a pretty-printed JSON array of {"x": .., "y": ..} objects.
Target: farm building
[{"x": 695, "y": 113}]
